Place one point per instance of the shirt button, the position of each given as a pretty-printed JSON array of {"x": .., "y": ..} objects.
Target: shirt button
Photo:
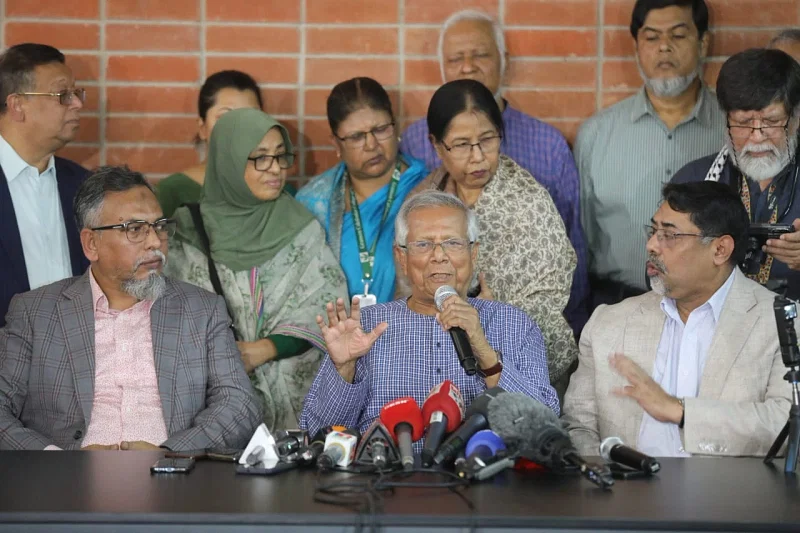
[
  {"x": 669, "y": 171},
  {"x": 438, "y": 370},
  {"x": 669, "y": 136},
  {"x": 438, "y": 344},
  {"x": 78, "y": 435}
]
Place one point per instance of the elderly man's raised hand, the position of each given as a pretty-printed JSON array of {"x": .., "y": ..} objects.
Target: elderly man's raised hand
[{"x": 345, "y": 340}]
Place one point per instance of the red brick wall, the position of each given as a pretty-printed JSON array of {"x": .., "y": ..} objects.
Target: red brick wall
[{"x": 143, "y": 61}]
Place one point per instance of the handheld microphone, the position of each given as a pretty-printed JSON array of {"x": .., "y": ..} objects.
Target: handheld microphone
[
  {"x": 613, "y": 449},
  {"x": 533, "y": 430},
  {"x": 460, "y": 339},
  {"x": 377, "y": 447},
  {"x": 442, "y": 412},
  {"x": 476, "y": 420},
  {"x": 482, "y": 447},
  {"x": 403, "y": 419},
  {"x": 340, "y": 449},
  {"x": 460, "y": 464}
]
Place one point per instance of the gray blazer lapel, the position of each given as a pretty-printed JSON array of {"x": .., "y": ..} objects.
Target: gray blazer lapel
[
  {"x": 640, "y": 343},
  {"x": 76, "y": 314},
  {"x": 165, "y": 325},
  {"x": 735, "y": 325}
]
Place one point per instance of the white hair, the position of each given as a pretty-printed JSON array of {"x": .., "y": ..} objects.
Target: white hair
[
  {"x": 432, "y": 198},
  {"x": 474, "y": 14}
]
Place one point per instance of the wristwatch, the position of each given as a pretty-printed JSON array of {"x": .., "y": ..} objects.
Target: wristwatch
[
  {"x": 494, "y": 369},
  {"x": 683, "y": 414}
]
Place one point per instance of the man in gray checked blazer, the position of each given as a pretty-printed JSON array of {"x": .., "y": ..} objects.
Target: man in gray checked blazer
[
  {"x": 694, "y": 366},
  {"x": 122, "y": 357}
]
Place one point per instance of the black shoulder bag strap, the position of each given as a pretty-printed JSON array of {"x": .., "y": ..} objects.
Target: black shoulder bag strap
[{"x": 213, "y": 276}]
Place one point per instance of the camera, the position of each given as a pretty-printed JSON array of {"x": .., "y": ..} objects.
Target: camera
[{"x": 757, "y": 237}]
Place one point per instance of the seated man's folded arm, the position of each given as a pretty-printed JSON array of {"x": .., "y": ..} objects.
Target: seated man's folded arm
[
  {"x": 232, "y": 409},
  {"x": 15, "y": 365},
  {"x": 579, "y": 414}
]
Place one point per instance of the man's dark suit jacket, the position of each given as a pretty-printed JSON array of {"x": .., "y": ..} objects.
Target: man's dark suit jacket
[{"x": 13, "y": 273}]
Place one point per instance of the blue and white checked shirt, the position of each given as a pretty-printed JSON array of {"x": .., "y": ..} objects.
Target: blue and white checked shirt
[
  {"x": 540, "y": 149},
  {"x": 414, "y": 354}
]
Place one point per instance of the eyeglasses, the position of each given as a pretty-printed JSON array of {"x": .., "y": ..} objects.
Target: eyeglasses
[
  {"x": 667, "y": 236},
  {"x": 138, "y": 230},
  {"x": 64, "y": 97},
  {"x": 772, "y": 130},
  {"x": 449, "y": 247},
  {"x": 264, "y": 162},
  {"x": 462, "y": 150},
  {"x": 359, "y": 138}
]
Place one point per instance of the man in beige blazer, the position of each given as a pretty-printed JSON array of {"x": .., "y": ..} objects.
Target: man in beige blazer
[{"x": 694, "y": 366}]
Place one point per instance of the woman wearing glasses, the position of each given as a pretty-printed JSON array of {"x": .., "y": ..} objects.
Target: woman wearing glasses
[
  {"x": 220, "y": 93},
  {"x": 253, "y": 243},
  {"x": 357, "y": 200},
  {"x": 525, "y": 255}
]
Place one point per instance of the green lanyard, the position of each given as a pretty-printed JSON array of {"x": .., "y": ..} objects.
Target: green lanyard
[{"x": 367, "y": 257}]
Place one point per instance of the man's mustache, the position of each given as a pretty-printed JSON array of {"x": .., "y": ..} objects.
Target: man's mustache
[
  {"x": 661, "y": 267},
  {"x": 157, "y": 254}
]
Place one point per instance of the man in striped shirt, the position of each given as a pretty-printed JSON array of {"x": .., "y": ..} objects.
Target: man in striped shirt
[
  {"x": 403, "y": 348},
  {"x": 627, "y": 152}
]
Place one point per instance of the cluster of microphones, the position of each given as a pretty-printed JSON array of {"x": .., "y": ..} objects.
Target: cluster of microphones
[{"x": 497, "y": 430}]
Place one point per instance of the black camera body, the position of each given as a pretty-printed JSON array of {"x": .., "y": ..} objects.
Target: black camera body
[{"x": 757, "y": 237}]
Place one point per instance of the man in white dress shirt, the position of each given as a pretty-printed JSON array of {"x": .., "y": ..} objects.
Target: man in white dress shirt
[
  {"x": 39, "y": 114},
  {"x": 694, "y": 366}
]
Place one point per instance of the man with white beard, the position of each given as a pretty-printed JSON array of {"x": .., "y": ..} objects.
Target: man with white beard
[
  {"x": 759, "y": 90},
  {"x": 626, "y": 152},
  {"x": 122, "y": 358}
]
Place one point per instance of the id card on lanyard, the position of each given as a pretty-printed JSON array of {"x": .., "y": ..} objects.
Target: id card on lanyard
[{"x": 367, "y": 256}]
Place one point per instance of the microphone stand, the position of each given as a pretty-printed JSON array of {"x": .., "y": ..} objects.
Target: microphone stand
[{"x": 785, "y": 313}]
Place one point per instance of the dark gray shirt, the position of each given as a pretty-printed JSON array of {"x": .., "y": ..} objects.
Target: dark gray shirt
[{"x": 625, "y": 154}]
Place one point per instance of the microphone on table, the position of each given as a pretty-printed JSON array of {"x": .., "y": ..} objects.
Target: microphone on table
[
  {"x": 482, "y": 449},
  {"x": 340, "y": 449},
  {"x": 533, "y": 430},
  {"x": 460, "y": 339},
  {"x": 476, "y": 420},
  {"x": 613, "y": 449},
  {"x": 442, "y": 412},
  {"x": 377, "y": 447},
  {"x": 403, "y": 418},
  {"x": 308, "y": 454}
]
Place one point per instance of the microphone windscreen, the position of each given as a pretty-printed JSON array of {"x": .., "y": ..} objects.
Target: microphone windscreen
[
  {"x": 517, "y": 417},
  {"x": 444, "y": 397},
  {"x": 487, "y": 438},
  {"x": 443, "y": 293},
  {"x": 403, "y": 410}
]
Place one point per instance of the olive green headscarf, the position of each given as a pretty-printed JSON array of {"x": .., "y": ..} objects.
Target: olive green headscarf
[{"x": 243, "y": 231}]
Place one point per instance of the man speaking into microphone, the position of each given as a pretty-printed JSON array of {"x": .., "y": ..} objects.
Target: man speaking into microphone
[{"x": 403, "y": 348}]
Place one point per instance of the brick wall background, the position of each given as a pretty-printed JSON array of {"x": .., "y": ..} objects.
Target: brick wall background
[{"x": 143, "y": 61}]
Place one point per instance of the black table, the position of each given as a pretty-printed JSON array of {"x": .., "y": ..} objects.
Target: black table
[{"x": 114, "y": 491}]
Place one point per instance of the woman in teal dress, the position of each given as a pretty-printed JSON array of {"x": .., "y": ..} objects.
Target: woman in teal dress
[
  {"x": 274, "y": 268},
  {"x": 373, "y": 175}
]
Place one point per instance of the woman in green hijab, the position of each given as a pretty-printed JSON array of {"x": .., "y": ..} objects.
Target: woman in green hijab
[{"x": 253, "y": 243}]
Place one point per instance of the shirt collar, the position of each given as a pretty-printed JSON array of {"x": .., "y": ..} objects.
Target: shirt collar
[
  {"x": 701, "y": 111},
  {"x": 13, "y": 165},
  {"x": 715, "y": 303}
]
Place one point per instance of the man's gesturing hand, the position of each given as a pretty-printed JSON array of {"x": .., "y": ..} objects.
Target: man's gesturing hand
[{"x": 345, "y": 340}]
